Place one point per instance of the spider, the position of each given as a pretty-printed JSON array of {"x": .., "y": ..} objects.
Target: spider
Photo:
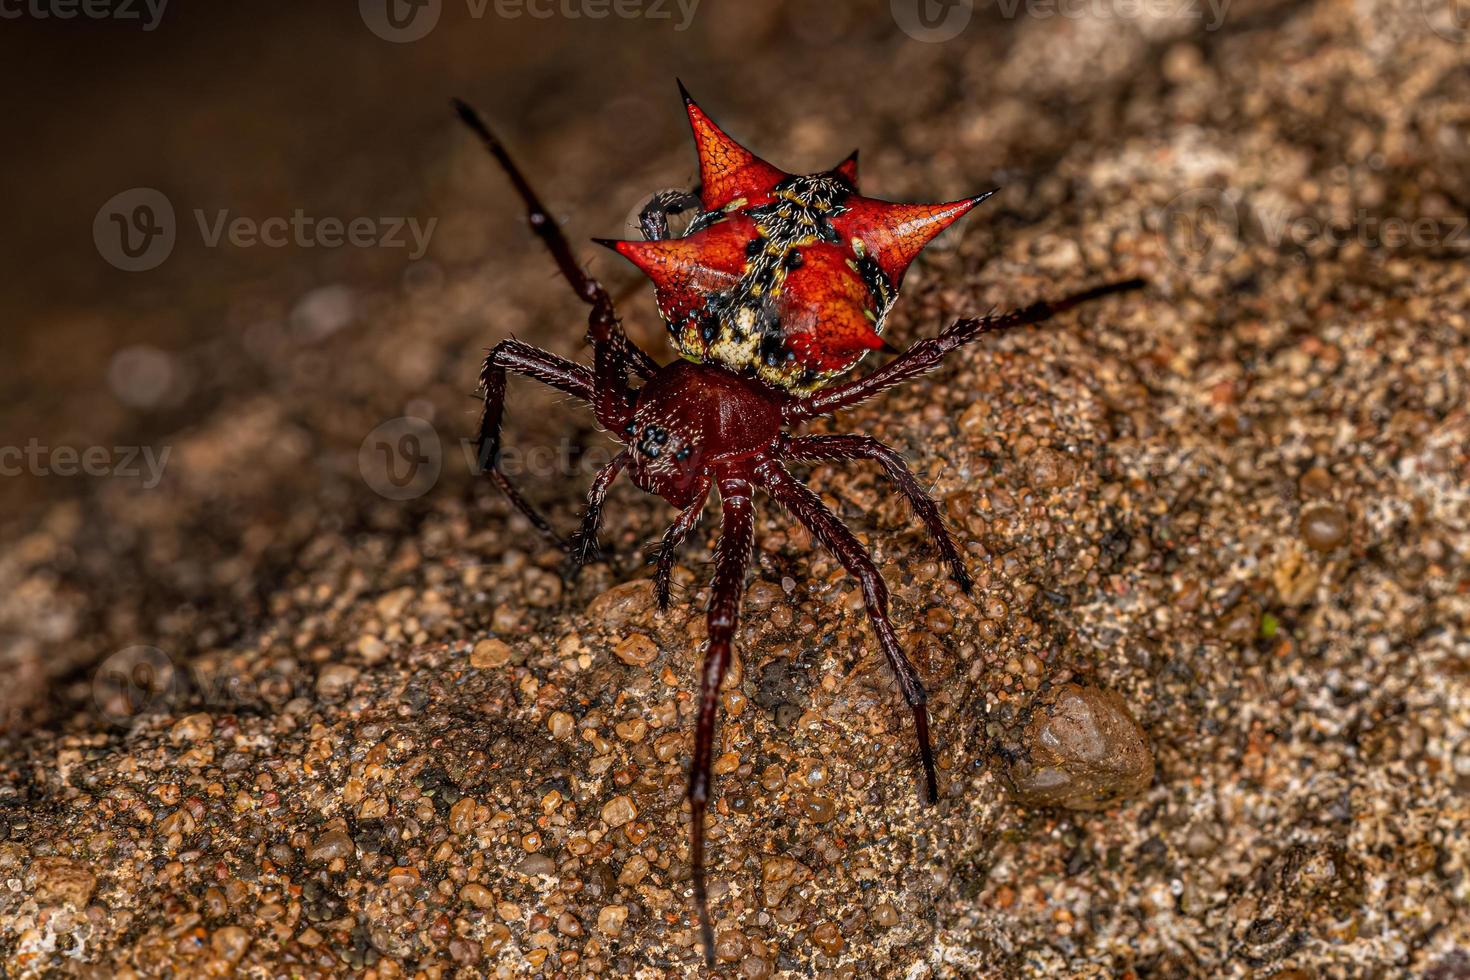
[{"x": 779, "y": 284}]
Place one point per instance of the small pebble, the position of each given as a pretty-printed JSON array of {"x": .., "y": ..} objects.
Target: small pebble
[
  {"x": 632, "y": 730},
  {"x": 329, "y": 846},
  {"x": 230, "y": 943},
  {"x": 939, "y": 620},
  {"x": 778, "y": 875},
  {"x": 760, "y": 596},
  {"x": 1083, "y": 751},
  {"x": 192, "y": 728},
  {"x": 637, "y": 650},
  {"x": 462, "y": 816},
  {"x": 818, "y": 809},
  {"x": 885, "y": 915},
  {"x": 611, "y": 918},
  {"x": 730, "y": 945},
  {"x": 477, "y": 895},
  {"x": 1315, "y": 482},
  {"x": 828, "y": 938},
  {"x": 621, "y": 604},
  {"x": 618, "y": 811},
  {"x": 755, "y": 968},
  {"x": 371, "y": 649},
  {"x": 489, "y": 654},
  {"x": 536, "y": 866},
  {"x": 334, "y": 680},
  {"x": 1324, "y": 526},
  {"x": 1051, "y": 469},
  {"x": 1241, "y": 622},
  {"x": 634, "y": 871}
]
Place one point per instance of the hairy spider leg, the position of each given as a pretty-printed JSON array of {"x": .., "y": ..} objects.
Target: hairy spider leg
[
  {"x": 925, "y": 355},
  {"x": 584, "y": 547},
  {"x": 849, "y": 447},
  {"x": 834, "y": 535},
  {"x": 613, "y": 353},
  {"x": 732, "y": 558},
  {"x": 542, "y": 366},
  {"x": 603, "y": 326},
  {"x": 675, "y": 536}
]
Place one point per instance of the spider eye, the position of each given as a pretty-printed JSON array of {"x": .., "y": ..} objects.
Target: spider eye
[
  {"x": 650, "y": 440},
  {"x": 682, "y": 454}
]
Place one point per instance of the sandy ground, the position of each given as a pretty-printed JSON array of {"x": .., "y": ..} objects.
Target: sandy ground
[{"x": 263, "y": 719}]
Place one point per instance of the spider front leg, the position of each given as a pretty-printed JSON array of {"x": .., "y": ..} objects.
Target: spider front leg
[
  {"x": 673, "y": 538},
  {"x": 557, "y": 372},
  {"x": 844, "y": 447},
  {"x": 737, "y": 537},
  {"x": 583, "y": 546},
  {"x": 589, "y": 290},
  {"x": 925, "y": 355},
  {"x": 613, "y": 353},
  {"x": 827, "y": 528}
]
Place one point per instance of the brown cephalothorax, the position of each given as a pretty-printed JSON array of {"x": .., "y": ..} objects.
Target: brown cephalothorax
[{"x": 779, "y": 285}]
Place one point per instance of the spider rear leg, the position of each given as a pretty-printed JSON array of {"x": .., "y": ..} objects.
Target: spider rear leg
[
  {"x": 543, "y": 366},
  {"x": 844, "y": 447},
  {"x": 927, "y": 354},
  {"x": 674, "y": 537},
  {"x": 732, "y": 558},
  {"x": 834, "y": 535}
]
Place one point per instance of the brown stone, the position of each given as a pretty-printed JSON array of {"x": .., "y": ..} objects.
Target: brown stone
[{"x": 1083, "y": 751}]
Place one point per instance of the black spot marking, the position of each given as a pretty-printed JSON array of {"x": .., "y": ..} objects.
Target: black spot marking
[
  {"x": 773, "y": 349},
  {"x": 878, "y": 283},
  {"x": 741, "y": 327}
]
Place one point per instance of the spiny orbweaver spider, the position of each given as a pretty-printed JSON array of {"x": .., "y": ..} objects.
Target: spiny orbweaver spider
[{"x": 779, "y": 284}]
